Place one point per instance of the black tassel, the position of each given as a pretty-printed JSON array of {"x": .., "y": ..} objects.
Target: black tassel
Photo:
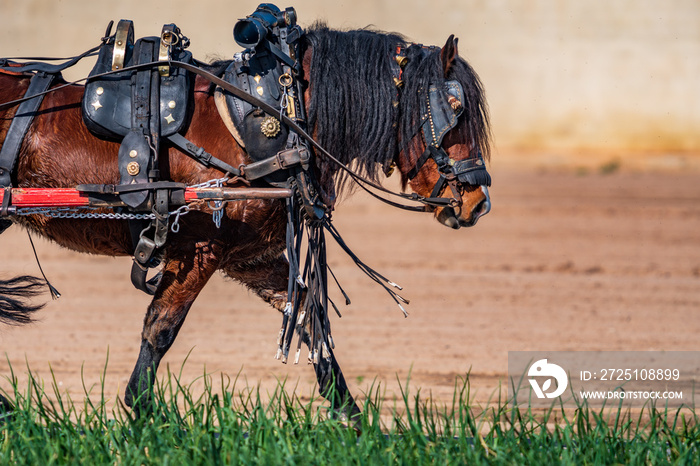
[{"x": 54, "y": 292}]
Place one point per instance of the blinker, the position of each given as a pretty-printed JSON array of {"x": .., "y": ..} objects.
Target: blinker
[
  {"x": 472, "y": 171},
  {"x": 442, "y": 109},
  {"x": 444, "y": 106}
]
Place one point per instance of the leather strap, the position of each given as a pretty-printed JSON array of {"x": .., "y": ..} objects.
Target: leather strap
[
  {"x": 200, "y": 155},
  {"x": 42, "y": 67},
  {"x": 281, "y": 161},
  {"x": 419, "y": 164},
  {"x": 6, "y": 201},
  {"x": 139, "y": 272},
  {"x": 26, "y": 112},
  {"x": 126, "y": 188}
]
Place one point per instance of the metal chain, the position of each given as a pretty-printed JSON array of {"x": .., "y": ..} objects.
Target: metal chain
[
  {"x": 215, "y": 183},
  {"x": 79, "y": 212},
  {"x": 182, "y": 210},
  {"x": 217, "y": 208}
]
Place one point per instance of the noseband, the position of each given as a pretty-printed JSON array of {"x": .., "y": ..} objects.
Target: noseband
[{"x": 440, "y": 112}]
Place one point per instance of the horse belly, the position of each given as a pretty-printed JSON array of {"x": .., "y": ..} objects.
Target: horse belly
[{"x": 93, "y": 236}]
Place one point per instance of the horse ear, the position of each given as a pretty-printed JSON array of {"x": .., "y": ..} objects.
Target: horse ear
[{"x": 449, "y": 53}]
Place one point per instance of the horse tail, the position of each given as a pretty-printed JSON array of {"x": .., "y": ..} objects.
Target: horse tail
[{"x": 14, "y": 296}]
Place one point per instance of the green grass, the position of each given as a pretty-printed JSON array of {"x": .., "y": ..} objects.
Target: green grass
[{"x": 224, "y": 425}]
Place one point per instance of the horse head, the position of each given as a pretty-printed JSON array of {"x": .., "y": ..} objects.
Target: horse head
[
  {"x": 447, "y": 162},
  {"x": 430, "y": 120}
]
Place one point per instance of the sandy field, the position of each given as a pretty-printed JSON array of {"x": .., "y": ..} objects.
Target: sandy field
[{"x": 566, "y": 260}]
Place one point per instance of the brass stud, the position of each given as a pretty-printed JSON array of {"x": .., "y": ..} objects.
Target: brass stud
[
  {"x": 172, "y": 104},
  {"x": 133, "y": 153},
  {"x": 133, "y": 168},
  {"x": 99, "y": 91},
  {"x": 96, "y": 105},
  {"x": 169, "y": 118}
]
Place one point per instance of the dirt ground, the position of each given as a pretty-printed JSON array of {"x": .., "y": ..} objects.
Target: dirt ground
[{"x": 564, "y": 261}]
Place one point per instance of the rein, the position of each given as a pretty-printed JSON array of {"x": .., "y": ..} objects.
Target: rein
[{"x": 364, "y": 183}]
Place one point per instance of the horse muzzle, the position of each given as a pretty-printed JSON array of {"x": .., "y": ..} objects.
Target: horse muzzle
[{"x": 475, "y": 204}]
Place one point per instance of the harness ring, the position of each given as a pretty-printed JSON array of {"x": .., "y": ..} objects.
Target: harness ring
[
  {"x": 285, "y": 80},
  {"x": 169, "y": 39}
]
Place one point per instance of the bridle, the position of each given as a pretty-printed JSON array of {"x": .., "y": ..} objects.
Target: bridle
[{"x": 440, "y": 111}]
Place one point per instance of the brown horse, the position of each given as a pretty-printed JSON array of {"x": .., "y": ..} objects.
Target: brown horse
[{"x": 355, "y": 110}]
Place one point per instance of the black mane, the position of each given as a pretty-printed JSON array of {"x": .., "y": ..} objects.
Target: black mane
[{"x": 353, "y": 96}]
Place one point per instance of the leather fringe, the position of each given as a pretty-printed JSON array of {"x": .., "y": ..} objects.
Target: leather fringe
[
  {"x": 479, "y": 177},
  {"x": 306, "y": 312}
]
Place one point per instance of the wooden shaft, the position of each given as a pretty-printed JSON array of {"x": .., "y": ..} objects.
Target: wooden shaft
[{"x": 235, "y": 194}]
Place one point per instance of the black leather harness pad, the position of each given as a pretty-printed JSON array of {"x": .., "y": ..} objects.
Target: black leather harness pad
[
  {"x": 258, "y": 77},
  {"x": 107, "y": 99}
]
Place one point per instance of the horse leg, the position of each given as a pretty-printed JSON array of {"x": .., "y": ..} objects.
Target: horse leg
[
  {"x": 269, "y": 281},
  {"x": 332, "y": 386},
  {"x": 185, "y": 272}
]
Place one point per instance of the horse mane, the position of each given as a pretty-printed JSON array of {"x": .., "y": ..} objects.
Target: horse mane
[
  {"x": 353, "y": 107},
  {"x": 352, "y": 91}
]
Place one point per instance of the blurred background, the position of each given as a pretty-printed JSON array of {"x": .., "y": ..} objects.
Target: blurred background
[{"x": 569, "y": 83}]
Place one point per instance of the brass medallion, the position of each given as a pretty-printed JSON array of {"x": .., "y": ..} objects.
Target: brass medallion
[
  {"x": 270, "y": 126},
  {"x": 132, "y": 168}
]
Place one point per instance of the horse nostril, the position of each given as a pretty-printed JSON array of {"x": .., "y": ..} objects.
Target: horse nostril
[{"x": 482, "y": 208}]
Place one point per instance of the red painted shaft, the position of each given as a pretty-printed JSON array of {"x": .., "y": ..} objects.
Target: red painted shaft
[
  {"x": 69, "y": 197},
  {"x": 47, "y": 197}
]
